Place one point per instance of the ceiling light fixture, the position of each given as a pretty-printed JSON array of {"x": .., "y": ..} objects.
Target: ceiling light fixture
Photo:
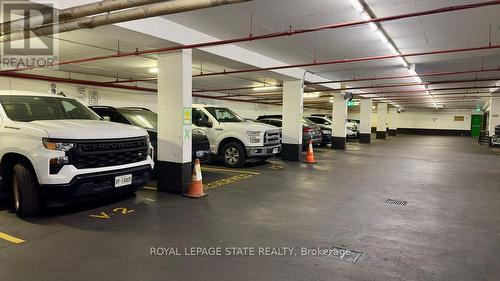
[
  {"x": 265, "y": 88},
  {"x": 153, "y": 70},
  {"x": 311, "y": 95}
]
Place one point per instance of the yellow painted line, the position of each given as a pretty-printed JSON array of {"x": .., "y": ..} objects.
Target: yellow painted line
[
  {"x": 210, "y": 169},
  {"x": 149, "y": 188},
  {"x": 226, "y": 181},
  {"x": 11, "y": 239}
]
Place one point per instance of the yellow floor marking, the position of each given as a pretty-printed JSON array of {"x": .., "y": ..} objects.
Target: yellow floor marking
[
  {"x": 210, "y": 169},
  {"x": 11, "y": 239},
  {"x": 219, "y": 183},
  {"x": 103, "y": 215},
  {"x": 227, "y": 181}
]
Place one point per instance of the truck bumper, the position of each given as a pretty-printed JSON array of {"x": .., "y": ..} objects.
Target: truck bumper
[
  {"x": 90, "y": 186},
  {"x": 263, "y": 151}
]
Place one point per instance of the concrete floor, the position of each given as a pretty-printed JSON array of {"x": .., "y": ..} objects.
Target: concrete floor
[{"x": 449, "y": 229}]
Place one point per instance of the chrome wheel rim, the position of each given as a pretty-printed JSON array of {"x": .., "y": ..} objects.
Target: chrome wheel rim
[{"x": 231, "y": 155}]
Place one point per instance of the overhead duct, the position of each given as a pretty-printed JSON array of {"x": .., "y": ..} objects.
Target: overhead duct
[
  {"x": 146, "y": 11},
  {"x": 77, "y": 12}
]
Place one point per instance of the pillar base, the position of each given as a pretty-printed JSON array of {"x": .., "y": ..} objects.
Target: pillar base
[
  {"x": 291, "y": 152},
  {"x": 338, "y": 142},
  {"x": 392, "y": 132},
  {"x": 365, "y": 138},
  {"x": 381, "y": 135},
  {"x": 173, "y": 177}
]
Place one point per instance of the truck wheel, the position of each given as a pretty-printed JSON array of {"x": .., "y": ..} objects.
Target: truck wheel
[
  {"x": 233, "y": 155},
  {"x": 25, "y": 192}
]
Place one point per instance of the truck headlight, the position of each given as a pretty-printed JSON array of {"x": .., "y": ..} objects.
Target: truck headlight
[
  {"x": 150, "y": 148},
  {"x": 254, "y": 136},
  {"x": 199, "y": 132},
  {"x": 56, "y": 145}
]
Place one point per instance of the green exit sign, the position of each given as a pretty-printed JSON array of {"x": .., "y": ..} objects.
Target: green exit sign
[{"x": 350, "y": 103}]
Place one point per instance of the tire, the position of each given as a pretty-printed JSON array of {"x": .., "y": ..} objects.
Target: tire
[
  {"x": 25, "y": 192},
  {"x": 233, "y": 155}
]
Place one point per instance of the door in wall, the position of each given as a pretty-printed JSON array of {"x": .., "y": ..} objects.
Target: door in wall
[{"x": 476, "y": 125}]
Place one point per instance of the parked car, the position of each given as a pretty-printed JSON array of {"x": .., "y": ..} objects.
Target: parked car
[
  {"x": 148, "y": 120},
  {"x": 310, "y": 131},
  {"x": 326, "y": 130},
  {"x": 233, "y": 139},
  {"x": 352, "y": 130},
  {"x": 55, "y": 151}
]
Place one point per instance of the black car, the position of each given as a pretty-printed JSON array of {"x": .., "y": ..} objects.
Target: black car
[
  {"x": 148, "y": 120},
  {"x": 309, "y": 130}
]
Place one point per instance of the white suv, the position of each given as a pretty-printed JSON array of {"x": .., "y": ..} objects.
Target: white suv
[
  {"x": 234, "y": 139},
  {"x": 55, "y": 150}
]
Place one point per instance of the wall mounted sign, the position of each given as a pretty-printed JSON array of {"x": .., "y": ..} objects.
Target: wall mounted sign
[
  {"x": 52, "y": 88},
  {"x": 93, "y": 97},
  {"x": 187, "y": 115},
  {"x": 459, "y": 118}
]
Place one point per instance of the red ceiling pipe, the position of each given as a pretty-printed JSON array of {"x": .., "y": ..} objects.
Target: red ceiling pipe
[
  {"x": 274, "y": 35},
  {"x": 343, "y": 61},
  {"x": 373, "y": 87},
  {"x": 75, "y": 81},
  {"x": 105, "y": 85},
  {"x": 425, "y": 74}
]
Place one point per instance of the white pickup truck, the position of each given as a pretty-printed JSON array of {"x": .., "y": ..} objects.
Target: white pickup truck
[
  {"x": 234, "y": 139},
  {"x": 55, "y": 151}
]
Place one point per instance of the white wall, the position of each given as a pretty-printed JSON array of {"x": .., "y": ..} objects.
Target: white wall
[{"x": 427, "y": 119}]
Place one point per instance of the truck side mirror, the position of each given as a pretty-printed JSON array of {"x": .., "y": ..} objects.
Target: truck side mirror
[{"x": 205, "y": 122}]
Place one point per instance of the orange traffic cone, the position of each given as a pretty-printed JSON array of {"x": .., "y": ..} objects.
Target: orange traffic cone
[
  {"x": 310, "y": 154},
  {"x": 196, "y": 188}
]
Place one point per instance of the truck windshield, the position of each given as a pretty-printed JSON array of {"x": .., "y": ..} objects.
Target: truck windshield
[
  {"x": 142, "y": 118},
  {"x": 32, "y": 108},
  {"x": 222, "y": 114}
]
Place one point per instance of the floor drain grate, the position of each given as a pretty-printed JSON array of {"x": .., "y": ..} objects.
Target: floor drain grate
[
  {"x": 395, "y": 202},
  {"x": 345, "y": 254}
]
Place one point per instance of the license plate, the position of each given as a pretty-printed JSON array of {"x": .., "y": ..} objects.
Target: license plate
[
  {"x": 200, "y": 153},
  {"x": 276, "y": 150},
  {"x": 123, "y": 180}
]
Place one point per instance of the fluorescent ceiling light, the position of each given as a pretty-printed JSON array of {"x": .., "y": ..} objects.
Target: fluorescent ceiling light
[
  {"x": 382, "y": 36},
  {"x": 369, "y": 96},
  {"x": 357, "y": 6},
  {"x": 311, "y": 95},
  {"x": 153, "y": 70},
  {"x": 265, "y": 88},
  {"x": 392, "y": 49},
  {"x": 403, "y": 61}
]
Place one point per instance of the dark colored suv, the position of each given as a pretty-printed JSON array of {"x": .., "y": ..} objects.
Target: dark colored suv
[
  {"x": 309, "y": 130},
  {"x": 148, "y": 120}
]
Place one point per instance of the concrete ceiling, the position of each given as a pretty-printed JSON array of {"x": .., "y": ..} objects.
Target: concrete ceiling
[{"x": 455, "y": 30}]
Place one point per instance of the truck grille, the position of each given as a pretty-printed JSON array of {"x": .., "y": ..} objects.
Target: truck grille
[
  {"x": 201, "y": 145},
  {"x": 272, "y": 138},
  {"x": 97, "y": 154}
]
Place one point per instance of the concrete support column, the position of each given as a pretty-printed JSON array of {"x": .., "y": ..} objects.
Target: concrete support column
[
  {"x": 339, "y": 121},
  {"x": 293, "y": 98},
  {"x": 174, "y": 121},
  {"x": 365, "y": 126},
  {"x": 393, "y": 122},
  {"x": 494, "y": 117},
  {"x": 381, "y": 120}
]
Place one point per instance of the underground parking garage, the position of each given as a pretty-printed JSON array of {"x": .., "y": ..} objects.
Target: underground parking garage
[{"x": 250, "y": 140}]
